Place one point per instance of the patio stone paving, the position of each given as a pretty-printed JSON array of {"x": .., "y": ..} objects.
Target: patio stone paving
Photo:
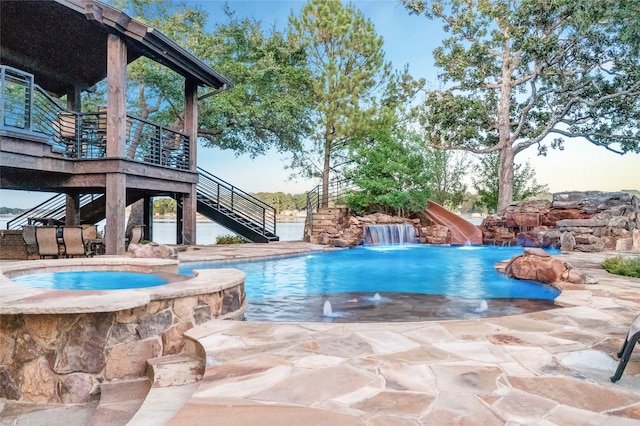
[{"x": 545, "y": 368}]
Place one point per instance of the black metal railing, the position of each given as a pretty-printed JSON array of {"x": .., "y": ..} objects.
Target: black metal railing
[
  {"x": 24, "y": 106},
  {"x": 223, "y": 196},
  {"x": 337, "y": 190},
  {"x": 53, "y": 210},
  {"x": 151, "y": 143}
]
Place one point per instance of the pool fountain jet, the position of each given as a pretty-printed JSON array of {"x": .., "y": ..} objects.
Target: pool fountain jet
[
  {"x": 482, "y": 307},
  {"x": 327, "y": 311},
  {"x": 390, "y": 234}
]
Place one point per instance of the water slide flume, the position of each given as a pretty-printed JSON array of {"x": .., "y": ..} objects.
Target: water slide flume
[{"x": 462, "y": 231}]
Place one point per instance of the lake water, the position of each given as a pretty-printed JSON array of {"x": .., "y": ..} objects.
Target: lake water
[{"x": 164, "y": 230}]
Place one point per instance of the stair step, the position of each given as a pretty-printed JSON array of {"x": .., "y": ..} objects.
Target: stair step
[{"x": 175, "y": 370}]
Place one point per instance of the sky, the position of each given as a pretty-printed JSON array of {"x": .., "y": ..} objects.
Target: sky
[{"x": 408, "y": 39}]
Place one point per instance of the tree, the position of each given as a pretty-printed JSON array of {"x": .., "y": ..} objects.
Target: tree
[
  {"x": 346, "y": 61},
  {"x": 446, "y": 171},
  {"x": 164, "y": 206},
  {"x": 487, "y": 182},
  {"x": 267, "y": 107},
  {"x": 395, "y": 173},
  {"x": 519, "y": 71},
  {"x": 390, "y": 173}
]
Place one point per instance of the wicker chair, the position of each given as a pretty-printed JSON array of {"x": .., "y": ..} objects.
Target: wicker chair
[
  {"x": 73, "y": 242},
  {"x": 47, "y": 241}
]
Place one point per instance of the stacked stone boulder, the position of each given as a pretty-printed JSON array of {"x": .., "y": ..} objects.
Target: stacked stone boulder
[{"x": 573, "y": 221}]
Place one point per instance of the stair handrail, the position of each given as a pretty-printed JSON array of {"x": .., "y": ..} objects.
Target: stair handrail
[
  {"x": 337, "y": 189},
  {"x": 54, "y": 208},
  {"x": 238, "y": 202}
]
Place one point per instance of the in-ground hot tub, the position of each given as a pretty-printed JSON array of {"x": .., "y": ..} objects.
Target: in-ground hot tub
[{"x": 59, "y": 345}]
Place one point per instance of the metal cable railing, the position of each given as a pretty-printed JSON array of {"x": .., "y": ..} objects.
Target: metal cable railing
[
  {"x": 337, "y": 190},
  {"x": 53, "y": 209},
  {"x": 28, "y": 108},
  {"x": 228, "y": 199}
]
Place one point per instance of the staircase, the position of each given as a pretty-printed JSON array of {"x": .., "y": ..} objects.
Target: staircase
[
  {"x": 218, "y": 200},
  {"x": 235, "y": 209},
  {"x": 91, "y": 210}
]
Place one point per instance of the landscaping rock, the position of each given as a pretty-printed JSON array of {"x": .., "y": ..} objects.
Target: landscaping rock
[
  {"x": 78, "y": 388},
  {"x": 584, "y": 221},
  {"x": 152, "y": 250},
  {"x": 537, "y": 268}
]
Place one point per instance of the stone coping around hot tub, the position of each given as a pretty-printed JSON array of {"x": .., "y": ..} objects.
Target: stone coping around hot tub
[{"x": 19, "y": 299}]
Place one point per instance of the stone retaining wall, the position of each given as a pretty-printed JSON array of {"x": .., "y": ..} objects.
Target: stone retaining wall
[
  {"x": 573, "y": 221},
  {"x": 12, "y": 245},
  {"x": 335, "y": 226}
]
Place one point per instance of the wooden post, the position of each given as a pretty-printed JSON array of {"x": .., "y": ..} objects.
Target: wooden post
[
  {"x": 148, "y": 218},
  {"x": 116, "y": 96},
  {"x": 116, "y": 193},
  {"x": 72, "y": 210},
  {"x": 116, "y": 183},
  {"x": 189, "y": 201},
  {"x": 179, "y": 219}
]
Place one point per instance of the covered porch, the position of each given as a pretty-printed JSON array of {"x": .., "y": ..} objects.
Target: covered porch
[{"x": 50, "y": 143}]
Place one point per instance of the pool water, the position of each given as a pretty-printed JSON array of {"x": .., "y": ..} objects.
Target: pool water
[
  {"x": 90, "y": 280},
  {"x": 412, "y": 282}
]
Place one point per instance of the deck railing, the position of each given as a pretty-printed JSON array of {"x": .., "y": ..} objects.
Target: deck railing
[{"x": 25, "y": 107}]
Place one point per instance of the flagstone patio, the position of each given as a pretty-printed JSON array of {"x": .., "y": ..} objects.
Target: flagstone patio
[{"x": 549, "y": 367}]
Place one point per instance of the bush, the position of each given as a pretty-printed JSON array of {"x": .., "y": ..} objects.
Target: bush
[
  {"x": 230, "y": 239},
  {"x": 629, "y": 267}
]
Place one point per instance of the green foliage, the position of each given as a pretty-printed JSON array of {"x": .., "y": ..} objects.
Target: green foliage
[
  {"x": 164, "y": 206},
  {"x": 267, "y": 107},
  {"x": 396, "y": 174},
  {"x": 487, "y": 183},
  {"x": 230, "y": 239},
  {"x": 391, "y": 175},
  {"x": 619, "y": 265},
  {"x": 11, "y": 211},
  {"x": 446, "y": 171},
  {"x": 269, "y": 104},
  {"x": 282, "y": 201},
  {"x": 516, "y": 72}
]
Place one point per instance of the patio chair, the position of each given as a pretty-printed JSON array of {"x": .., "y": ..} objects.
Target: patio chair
[
  {"x": 625, "y": 353},
  {"x": 73, "y": 242},
  {"x": 47, "y": 241}
]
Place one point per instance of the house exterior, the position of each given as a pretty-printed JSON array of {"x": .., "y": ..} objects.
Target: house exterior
[{"x": 60, "y": 48}]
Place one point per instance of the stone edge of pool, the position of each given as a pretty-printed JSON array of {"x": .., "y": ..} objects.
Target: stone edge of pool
[{"x": 19, "y": 299}]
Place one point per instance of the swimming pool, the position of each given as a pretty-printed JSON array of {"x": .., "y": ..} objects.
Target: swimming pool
[
  {"x": 90, "y": 280},
  {"x": 415, "y": 282}
]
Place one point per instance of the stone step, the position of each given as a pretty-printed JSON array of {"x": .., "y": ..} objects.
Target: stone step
[
  {"x": 175, "y": 370},
  {"x": 120, "y": 400}
]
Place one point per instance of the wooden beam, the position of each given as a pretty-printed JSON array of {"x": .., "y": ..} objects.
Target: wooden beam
[{"x": 116, "y": 96}]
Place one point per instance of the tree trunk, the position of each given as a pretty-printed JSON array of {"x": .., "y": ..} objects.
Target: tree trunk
[
  {"x": 505, "y": 173},
  {"x": 505, "y": 186},
  {"x": 136, "y": 216},
  {"x": 326, "y": 169}
]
